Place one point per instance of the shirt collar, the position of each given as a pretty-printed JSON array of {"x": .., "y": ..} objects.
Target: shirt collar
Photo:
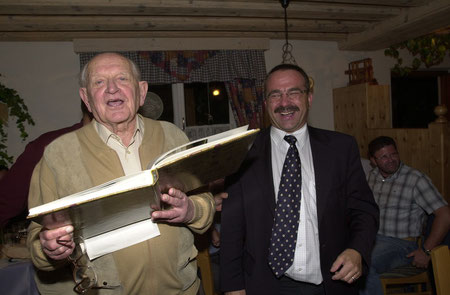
[
  {"x": 392, "y": 176},
  {"x": 105, "y": 134},
  {"x": 278, "y": 134}
]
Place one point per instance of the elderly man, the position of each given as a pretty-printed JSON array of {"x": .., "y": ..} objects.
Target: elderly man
[
  {"x": 117, "y": 142},
  {"x": 405, "y": 197},
  {"x": 299, "y": 217}
]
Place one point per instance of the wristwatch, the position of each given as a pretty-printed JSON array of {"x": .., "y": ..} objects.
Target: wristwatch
[{"x": 428, "y": 252}]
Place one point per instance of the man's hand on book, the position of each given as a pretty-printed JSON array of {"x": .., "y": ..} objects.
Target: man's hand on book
[
  {"x": 181, "y": 211},
  {"x": 57, "y": 243},
  {"x": 218, "y": 190},
  {"x": 218, "y": 199}
]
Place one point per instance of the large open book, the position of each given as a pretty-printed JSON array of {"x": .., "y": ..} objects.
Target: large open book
[{"x": 125, "y": 202}]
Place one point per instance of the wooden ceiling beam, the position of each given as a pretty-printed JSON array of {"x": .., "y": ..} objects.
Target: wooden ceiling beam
[
  {"x": 356, "y": 24},
  {"x": 171, "y": 23},
  {"x": 157, "y": 44},
  {"x": 198, "y": 8},
  {"x": 405, "y": 3},
  {"x": 411, "y": 23},
  {"x": 70, "y": 36}
]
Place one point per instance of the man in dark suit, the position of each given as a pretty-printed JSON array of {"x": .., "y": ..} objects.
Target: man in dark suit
[{"x": 337, "y": 218}]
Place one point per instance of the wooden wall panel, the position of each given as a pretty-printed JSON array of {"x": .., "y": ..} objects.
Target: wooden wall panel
[
  {"x": 359, "y": 107},
  {"x": 440, "y": 157},
  {"x": 378, "y": 106},
  {"x": 350, "y": 112},
  {"x": 445, "y": 93}
]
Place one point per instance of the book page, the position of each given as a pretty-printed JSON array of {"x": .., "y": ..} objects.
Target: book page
[
  {"x": 192, "y": 146},
  {"x": 197, "y": 166},
  {"x": 115, "y": 186},
  {"x": 121, "y": 238},
  {"x": 200, "y": 144}
]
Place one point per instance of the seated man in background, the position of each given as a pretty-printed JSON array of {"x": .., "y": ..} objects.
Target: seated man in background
[
  {"x": 405, "y": 197},
  {"x": 117, "y": 142},
  {"x": 15, "y": 185}
]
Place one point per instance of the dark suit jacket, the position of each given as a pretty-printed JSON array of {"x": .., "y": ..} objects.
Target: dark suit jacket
[{"x": 347, "y": 213}]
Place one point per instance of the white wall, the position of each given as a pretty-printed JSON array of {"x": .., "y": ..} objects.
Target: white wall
[{"x": 45, "y": 76}]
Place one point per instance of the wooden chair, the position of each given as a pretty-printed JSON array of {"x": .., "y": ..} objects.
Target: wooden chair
[
  {"x": 406, "y": 280},
  {"x": 204, "y": 263},
  {"x": 440, "y": 259}
]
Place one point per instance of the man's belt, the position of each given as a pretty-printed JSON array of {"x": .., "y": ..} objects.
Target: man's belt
[{"x": 411, "y": 239}]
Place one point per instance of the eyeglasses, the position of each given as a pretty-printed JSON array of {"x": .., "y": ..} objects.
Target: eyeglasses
[
  {"x": 387, "y": 157},
  {"x": 294, "y": 94},
  {"x": 84, "y": 275}
]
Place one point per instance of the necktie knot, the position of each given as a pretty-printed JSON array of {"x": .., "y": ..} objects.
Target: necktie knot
[{"x": 290, "y": 139}]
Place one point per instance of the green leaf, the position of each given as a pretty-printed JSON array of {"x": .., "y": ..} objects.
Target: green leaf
[
  {"x": 18, "y": 109},
  {"x": 416, "y": 63}
]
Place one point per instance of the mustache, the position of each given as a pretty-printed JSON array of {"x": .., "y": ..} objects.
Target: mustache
[{"x": 291, "y": 108}]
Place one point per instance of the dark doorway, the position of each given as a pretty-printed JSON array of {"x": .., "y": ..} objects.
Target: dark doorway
[{"x": 414, "y": 98}]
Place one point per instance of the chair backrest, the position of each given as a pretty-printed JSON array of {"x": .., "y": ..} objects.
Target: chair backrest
[{"x": 440, "y": 258}]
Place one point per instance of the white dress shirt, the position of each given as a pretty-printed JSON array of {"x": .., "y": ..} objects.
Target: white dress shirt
[
  {"x": 306, "y": 265},
  {"x": 128, "y": 155}
]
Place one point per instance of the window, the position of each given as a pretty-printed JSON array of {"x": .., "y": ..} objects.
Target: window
[{"x": 200, "y": 109}]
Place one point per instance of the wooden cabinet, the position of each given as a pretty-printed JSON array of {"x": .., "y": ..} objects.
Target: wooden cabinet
[{"x": 360, "y": 107}]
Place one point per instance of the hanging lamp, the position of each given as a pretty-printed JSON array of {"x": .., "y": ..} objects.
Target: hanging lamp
[{"x": 287, "y": 56}]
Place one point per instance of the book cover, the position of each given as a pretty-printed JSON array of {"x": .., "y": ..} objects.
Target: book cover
[{"x": 131, "y": 199}]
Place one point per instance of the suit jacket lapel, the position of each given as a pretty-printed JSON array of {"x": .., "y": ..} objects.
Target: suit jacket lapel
[
  {"x": 322, "y": 159},
  {"x": 262, "y": 170}
]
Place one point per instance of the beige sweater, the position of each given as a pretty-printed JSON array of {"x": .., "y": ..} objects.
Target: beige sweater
[{"x": 162, "y": 265}]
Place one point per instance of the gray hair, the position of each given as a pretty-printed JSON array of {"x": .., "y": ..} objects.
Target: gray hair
[{"x": 84, "y": 73}]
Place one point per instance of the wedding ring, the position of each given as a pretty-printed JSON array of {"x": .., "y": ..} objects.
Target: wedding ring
[{"x": 353, "y": 278}]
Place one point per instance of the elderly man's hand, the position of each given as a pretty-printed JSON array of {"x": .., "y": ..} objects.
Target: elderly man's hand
[
  {"x": 182, "y": 208},
  {"x": 348, "y": 266},
  {"x": 57, "y": 243}
]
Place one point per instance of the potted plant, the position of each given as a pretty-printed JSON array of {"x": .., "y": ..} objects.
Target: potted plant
[
  {"x": 429, "y": 50},
  {"x": 14, "y": 106}
]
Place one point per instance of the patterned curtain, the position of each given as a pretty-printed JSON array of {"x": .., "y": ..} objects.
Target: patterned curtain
[
  {"x": 246, "y": 101},
  {"x": 243, "y": 72}
]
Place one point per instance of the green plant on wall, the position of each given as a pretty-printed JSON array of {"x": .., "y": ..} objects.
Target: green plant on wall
[
  {"x": 16, "y": 108},
  {"x": 429, "y": 50}
]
